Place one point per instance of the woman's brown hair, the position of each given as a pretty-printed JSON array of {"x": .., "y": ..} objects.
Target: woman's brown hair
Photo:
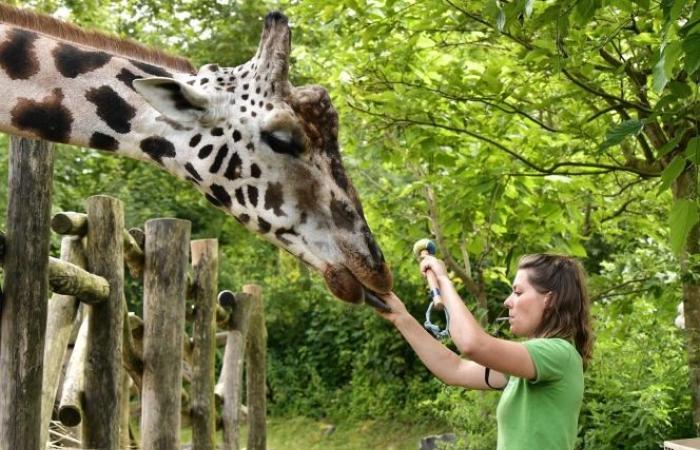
[{"x": 567, "y": 314}]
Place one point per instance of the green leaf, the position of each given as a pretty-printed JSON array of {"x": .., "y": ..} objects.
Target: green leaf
[
  {"x": 585, "y": 10},
  {"x": 620, "y": 132},
  {"x": 683, "y": 216},
  {"x": 692, "y": 151},
  {"x": 670, "y": 145},
  {"x": 691, "y": 48},
  {"x": 663, "y": 70},
  {"x": 671, "y": 172}
]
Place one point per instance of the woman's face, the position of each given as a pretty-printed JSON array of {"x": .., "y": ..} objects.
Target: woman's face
[{"x": 525, "y": 306}]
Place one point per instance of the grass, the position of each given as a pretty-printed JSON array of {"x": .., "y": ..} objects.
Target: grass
[{"x": 301, "y": 433}]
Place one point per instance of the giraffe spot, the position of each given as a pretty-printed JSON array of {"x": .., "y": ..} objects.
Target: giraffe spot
[
  {"x": 377, "y": 258},
  {"x": 151, "y": 69},
  {"x": 236, "y": 136},
  {"x": 255, "y": 171},
  {"x": 17, "y": 56},
  {"x": 250, "y": 146},
  {"x": 240, "y": 197},
  {"x": 217, "y": 131},
  {"x": 221, "y": 195},
  {"x": 213, "y": 67},
  {"x": 274, "y": 198},
  {"x": 233, "y": 170},
  {"x": 263, "y": 225},
  {"x": 205, "y": 151},
  {"x": 220, "y": 155},
  {"x": 282, "y": 231},
  {"x": 195, "y": 140},
  {"x": 244, "y": 96},
  {"x": 72, "y": 61},
  {"x": 245, "y": 74},
  {"x": 204, "y": 81},
  {"x": 127, "y": 77},
  {"x": 190, "y": 168},
  {"x": 343, "y": 216},
  {"x": 111, "y": 108},
  {"x": 173, "y": 124},
  {"x": 48, "y": 119},
  {"x": 158, "y": 148},
  {"x": 103, "y": 142},
  {"x": 212, "y": 200},
  {"x": 253, "y": 195},
  {"x": 338, "y": 172}
]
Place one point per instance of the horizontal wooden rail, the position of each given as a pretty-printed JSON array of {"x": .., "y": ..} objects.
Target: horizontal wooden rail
[{"x": 68, "y": 279}]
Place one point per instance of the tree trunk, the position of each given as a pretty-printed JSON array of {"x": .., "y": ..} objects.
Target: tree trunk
[
  {"x": 105, "y": 252},
  {"x": 165, "y": 285},
  {"x": 256, "y": 370},
  {"x": 63, "y": 310},
  {"x": 205, "y": 260},
  {"x": 685, "y": 188},
  {"x": 24, "y": 309}
]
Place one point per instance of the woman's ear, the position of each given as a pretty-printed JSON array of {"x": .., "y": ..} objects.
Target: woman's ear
[{"x": 548, "y": 299}]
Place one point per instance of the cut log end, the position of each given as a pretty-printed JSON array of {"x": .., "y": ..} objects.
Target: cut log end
[{"x": 70, "y": 415}]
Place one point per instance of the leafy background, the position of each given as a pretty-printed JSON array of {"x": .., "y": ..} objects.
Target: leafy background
[{"x": 496, "y": 127}]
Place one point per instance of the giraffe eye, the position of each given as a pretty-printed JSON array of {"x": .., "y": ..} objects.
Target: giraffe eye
[{"x": 283, "y": 141}]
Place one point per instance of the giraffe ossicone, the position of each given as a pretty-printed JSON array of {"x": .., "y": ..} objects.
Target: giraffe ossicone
[{"x": 257, "y": 147}]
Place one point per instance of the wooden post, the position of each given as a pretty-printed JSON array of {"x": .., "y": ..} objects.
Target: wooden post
[
  {"x": 231, "y": 376},
  {"x": 70, "y": 411},
  {"x": 63, "y": 310},
  {"x": 165, "y": 284},
  {"x": 205, "y": 260},
  {"x": 24, "y": 309},
  {"x": 105, "y": 252},
  {"x": 256, "y": 370}
]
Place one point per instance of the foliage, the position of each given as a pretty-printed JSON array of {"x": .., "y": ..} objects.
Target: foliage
[{"x": 503, "y": 128}]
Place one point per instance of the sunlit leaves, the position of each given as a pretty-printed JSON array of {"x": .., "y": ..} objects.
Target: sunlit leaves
[
  {"x": 620, "y": 132},
  {"x": 683, "y": 216}
]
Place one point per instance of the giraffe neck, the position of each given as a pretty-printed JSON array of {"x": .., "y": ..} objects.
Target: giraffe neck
[{"x": 69, "y": 93}]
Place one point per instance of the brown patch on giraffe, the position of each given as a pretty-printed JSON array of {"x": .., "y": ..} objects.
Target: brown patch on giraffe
[
  {"x": 48, "y": 25},
  {"x": 343, "y": 216},
  {"x": 103, "y": 141},
  {"x": 17, "y": 56},
  {"x": 72, "y": 61},
  {"x": 48, "y": 118},
  {"x": 274, "y": 198},
  {"x": 112, "y": 108}
]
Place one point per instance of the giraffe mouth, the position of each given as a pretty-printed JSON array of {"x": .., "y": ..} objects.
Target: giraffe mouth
[{"x": 346, "y": 286}]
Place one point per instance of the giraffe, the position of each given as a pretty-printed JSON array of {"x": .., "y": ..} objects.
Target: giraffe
[{"x": 259, "y": 148}]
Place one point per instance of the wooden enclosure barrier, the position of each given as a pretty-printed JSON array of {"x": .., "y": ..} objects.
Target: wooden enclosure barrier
[
  {"x": 114, "y": 347},
  {"x": 24, "y": 308}
]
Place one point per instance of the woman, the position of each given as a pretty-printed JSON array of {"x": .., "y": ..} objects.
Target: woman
[{"x": 542, "y": 376}]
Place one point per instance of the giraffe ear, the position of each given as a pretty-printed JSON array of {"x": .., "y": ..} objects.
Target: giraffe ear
[{"x": 175, "y": 100}]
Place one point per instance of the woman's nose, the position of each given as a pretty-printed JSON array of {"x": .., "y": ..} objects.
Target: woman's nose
[{"x": 507, "y": 303}]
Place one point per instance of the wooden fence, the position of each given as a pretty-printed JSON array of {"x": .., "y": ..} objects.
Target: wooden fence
[{"x": 74, "y": 357}]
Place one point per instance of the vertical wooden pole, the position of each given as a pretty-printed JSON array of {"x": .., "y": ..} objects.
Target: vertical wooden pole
[
  {"x": 63, "y": 310},
  {"x": 105, "y": 254},
  {"x": 23, "y": 313},
  {"x": 205, "y": 261},
  {"x": 232, "y": 369},
  {"x": 256, "y": 371},
  {"x": 165, "y": 285}
]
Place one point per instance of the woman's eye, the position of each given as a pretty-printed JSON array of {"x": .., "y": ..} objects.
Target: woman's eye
[{"x": 282, "y": 142}]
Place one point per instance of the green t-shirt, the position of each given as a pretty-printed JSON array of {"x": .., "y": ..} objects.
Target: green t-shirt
[{"x": 542, "y": 414}]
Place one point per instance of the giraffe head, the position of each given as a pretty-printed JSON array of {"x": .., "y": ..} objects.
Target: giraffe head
[{"x": 267, "y": 152}]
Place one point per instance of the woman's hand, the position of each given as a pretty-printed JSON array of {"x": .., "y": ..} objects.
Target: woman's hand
[
  {"x": 433, "y": 264},
  {"x": 398, "y": 309}
]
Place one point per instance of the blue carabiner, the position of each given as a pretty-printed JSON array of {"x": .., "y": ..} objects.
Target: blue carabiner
[{"x": 434, "y": 329}]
